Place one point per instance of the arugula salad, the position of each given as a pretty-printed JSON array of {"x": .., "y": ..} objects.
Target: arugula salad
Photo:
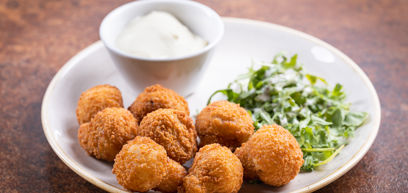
[{"x": 280, "y": 92}]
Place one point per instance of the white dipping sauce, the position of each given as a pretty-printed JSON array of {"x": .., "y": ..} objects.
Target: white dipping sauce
[{"x": 158, "y": 35}]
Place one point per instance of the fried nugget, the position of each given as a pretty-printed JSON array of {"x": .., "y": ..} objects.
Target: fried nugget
[
  {"x": 140, "y": 165},
  {"x": 272, "y": 154},
  {"x": 215, "y": 169},
  {"x": 225, "y": 123},
  {"x": 174, "y": 177},
  {"x": 107, "y": 132},
  {"x": 172, "y": 129},
  {"x": 157, "y": 97},
  {"x": 96, "y": 99}
]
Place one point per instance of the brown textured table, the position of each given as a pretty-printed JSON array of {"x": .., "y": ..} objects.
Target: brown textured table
[{"x": 38, "y": 36}]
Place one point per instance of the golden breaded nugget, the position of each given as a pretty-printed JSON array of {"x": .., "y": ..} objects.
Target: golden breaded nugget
[
  {"x": 172, "y": 129},
  {"x": 174, "y": 177},
  {"x": 215, "y": 169},
  {"x": 157, "y": 97},
  {"x": 96, "y": 99},
  {"x": 225, "y": 123},
  {"x": 272, "y": 154},
  {"x": 140, "y": 165},
  {"x": 107, "y": 132}
]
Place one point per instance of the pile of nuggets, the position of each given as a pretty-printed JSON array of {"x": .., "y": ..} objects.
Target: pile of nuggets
[{"x": 151, "y": 140}]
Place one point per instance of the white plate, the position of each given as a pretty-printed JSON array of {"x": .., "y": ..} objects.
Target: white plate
[{"x": 244, "y": 41}]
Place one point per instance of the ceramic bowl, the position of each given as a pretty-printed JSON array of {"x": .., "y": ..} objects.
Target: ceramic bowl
[{"x": 181, "y": 74}]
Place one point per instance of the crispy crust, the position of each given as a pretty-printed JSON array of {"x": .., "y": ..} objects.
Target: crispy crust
[
  {"x": 157, "y": 97},
  {"x": 140, "y": 165},
  {"x": 174, "y": 177},
  {"x": 272, "y": 154},
  {"x": 225, "y": 123},
  {"x": 172, "y": 129},
  {"x": 215, "y": 169},
  {"x": 107, "y": 132},
  {"x": 249, "y": 167},
  {"x": 96, "y": 99}
]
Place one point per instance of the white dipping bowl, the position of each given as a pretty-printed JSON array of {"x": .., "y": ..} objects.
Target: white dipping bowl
[{"x": 181, "y": 74}]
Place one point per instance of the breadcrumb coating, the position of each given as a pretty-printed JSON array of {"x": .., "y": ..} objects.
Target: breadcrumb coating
[
  {"x": 215, "y": 169},
  {"x": 96, "y": 99},
  {"x": 172, "y": 129},
  {"x": 225, "y": 123},
  {"x": 174, "y": 177},
  {"x": 107, "y": 132},
  {"x": 272, "y": 154},
  {"x": 157, "y": 97},
  {"x": 140, "y": 165}
]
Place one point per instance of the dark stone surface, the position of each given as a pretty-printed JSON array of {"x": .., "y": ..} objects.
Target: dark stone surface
[{"x": 37, "y": 37}]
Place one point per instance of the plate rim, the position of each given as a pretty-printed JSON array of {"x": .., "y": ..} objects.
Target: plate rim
[{"x": 311, "y": 187}]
